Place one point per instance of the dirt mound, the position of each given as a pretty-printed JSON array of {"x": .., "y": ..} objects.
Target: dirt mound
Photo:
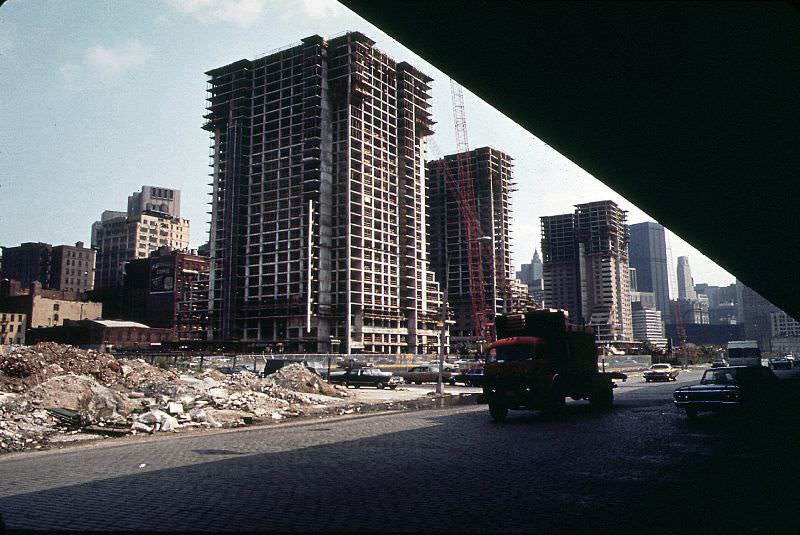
[
  {"x": 297, "y": 378},
  {"x": 28, "y": 366},
  {"x": 136, "y": 372}
]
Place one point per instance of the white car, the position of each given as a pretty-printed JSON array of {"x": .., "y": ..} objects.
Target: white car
[{"x": 661, "y": 372}]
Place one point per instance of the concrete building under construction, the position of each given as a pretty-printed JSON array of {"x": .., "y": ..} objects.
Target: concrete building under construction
[
  {"x": 491, "y": 172},
  {"x": 319, "y": 208},
  {"x": 586, "y": 268}
]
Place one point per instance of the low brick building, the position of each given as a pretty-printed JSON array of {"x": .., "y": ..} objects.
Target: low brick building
[
  {"x": 46, "y": 308},
  {"x": 103, "y": 335}
]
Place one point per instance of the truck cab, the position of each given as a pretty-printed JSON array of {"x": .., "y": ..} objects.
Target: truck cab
[{"x": 540, "y": 362}]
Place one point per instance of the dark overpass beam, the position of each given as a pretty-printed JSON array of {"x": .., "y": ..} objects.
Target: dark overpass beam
[{"x": 689, "y": 110}]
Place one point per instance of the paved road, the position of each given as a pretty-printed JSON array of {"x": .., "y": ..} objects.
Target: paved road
[{"x": 641, "y": 468}]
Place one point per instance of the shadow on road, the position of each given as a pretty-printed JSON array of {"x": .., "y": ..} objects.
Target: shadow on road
[{"x": 584, "y": 472}]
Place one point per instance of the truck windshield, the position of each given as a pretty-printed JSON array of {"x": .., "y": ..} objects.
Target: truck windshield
[{"x": 513, "y": 353}]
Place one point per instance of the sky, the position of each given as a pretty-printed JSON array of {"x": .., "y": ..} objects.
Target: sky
[{"x": 100, "y": 97}]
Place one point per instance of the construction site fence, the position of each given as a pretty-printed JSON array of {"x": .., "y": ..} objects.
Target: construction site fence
[{"x": 257, "y": 362}]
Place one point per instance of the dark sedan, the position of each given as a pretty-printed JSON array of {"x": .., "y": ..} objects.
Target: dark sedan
[
  {"x": 358, "y": 377},
  {"x": 473, "y": 377},
  {"x": 733, "y": 387}
]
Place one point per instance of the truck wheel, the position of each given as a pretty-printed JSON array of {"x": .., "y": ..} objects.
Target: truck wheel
[
  {"x": 602, "y": 399},
  {"x": 498, "y": 411},
  {"x": 380, "y": 386}
]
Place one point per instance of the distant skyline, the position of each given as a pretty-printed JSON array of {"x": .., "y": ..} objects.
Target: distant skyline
[{"x": 109, "y": 96}]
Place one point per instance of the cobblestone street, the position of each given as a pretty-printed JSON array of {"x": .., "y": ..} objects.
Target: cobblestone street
[{"x": 431, "y": 470}]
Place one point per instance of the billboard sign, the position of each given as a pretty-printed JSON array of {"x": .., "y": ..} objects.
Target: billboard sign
[{"x": 162, "y": 277}]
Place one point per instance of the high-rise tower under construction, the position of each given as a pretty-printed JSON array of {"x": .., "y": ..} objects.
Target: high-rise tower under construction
[{"x": 319, "y": 206}]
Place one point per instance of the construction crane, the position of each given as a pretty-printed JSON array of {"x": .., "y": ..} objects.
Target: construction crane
[{"x": 462, "y": 187}]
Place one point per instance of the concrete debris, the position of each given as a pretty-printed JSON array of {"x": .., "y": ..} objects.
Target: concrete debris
[
  {"x": 159, "y": 419},
  {"x": 40, "y": 384}
]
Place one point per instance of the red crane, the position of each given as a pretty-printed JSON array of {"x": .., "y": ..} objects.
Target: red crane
[{"x": 462, "y": 187}]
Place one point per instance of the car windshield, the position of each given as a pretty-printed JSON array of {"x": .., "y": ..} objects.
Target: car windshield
[
  {"x": 659, "y": 367},
  {"x": 719, "y": 377}
]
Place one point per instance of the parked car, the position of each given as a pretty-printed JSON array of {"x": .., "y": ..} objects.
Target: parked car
[
  {"x": 734, "y": 387},
  {"x": 231, "y": 370},
  {"x": 721, "y": 363},
  {"x": 358, "y": 377},
  {"x": 661, "y": 372},
  {"x": 473, "y": 377},
  {"x": 427, "y": 374},
  {"x": 780, "y": 364}
]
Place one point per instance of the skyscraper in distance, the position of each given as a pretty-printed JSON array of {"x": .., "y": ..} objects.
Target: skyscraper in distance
[
  {"x": 319, "y": 207},
  {"x": 586, "y": 268},
  {"x": 648, "y": 254},
  {"x": 685, "y": 282}
]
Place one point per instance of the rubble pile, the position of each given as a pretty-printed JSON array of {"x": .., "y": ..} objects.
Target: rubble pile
[
  {"x": 297, "y": 378},
  {"x": 51, "y": 390},
  {"x": 28, "y": 366}
]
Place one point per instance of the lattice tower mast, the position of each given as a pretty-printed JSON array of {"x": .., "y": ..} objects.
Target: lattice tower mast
[{"x": 463, "y": 188}]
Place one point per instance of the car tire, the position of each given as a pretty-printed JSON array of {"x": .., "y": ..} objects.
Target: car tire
[
  {"x": 646, "y": 379},
  {"x": 392, "y": 387},
  {"x": 691, "y": 413},
  {"x": 380, "y": 386},
  {"x": 498, "y": 411},
  {"x": 417, "y": 382},
  {"x": 451, "y": 382}
]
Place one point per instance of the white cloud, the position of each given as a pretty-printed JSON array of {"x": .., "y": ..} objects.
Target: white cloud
[
  {"x": 115, "y": 60},
  {"x": 239, "y": 12},
  {"x": 105, "y": 62},
  {"x": 320, "y": 9},
  {"x": 245, "y": 13}
]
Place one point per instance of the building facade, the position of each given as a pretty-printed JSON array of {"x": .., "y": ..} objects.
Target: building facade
[
  {"x": 648, "y": 255},
  {"x": 138, "y": 232},
  {"x": 47, "y": 308},
  {"x": 28, "y": 262},
  {"x": 685, "y": 281},
  {"x": 754, "y": 312},
  {"x": 648, "y": 326},
  {"x": 73, "y": 268},
  {"x": 319, "y": 206},
  {"x": 12, "y": 328},
  {"x": 169, "y": 290},
  {"x": 155, "y": 199},
  {"x": 492, "y": 182},
  {"x": 103, "y": 335},
  {"x": 586, "y": 268}
]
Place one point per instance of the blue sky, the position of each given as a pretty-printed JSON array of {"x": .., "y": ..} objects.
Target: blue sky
[{"x": 101, "y": 97}]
